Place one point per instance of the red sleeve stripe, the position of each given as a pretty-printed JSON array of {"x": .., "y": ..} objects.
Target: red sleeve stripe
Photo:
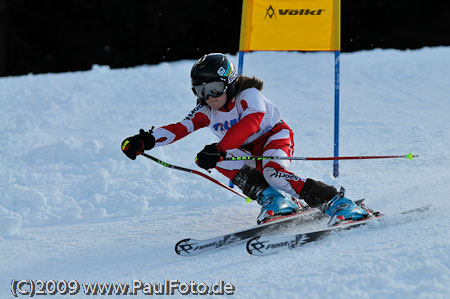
[
  {"x": 178, "y": 129},
  {"x": 200, "y": 120},
  {"x": 238, "y": 133}
]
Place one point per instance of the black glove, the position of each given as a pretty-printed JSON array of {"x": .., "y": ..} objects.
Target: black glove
[
  {"x": 135, "y": 145},
  {"x": 209, "y": 157}
]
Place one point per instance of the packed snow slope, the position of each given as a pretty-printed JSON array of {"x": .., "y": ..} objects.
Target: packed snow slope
[{"x": 72, "y": 206}]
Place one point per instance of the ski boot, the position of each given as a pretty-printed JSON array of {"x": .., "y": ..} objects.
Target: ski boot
[
  {"x": 273, "y": 203},
  {"x": 340, "y": 208}
]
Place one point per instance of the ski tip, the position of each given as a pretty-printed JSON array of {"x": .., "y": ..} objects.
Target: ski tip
[{"x": 248, "y": 199}]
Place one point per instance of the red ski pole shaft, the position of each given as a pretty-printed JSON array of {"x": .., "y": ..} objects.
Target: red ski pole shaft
[
  {"x": 408, "y": 156},
  {"x": 197, "y": 173}
]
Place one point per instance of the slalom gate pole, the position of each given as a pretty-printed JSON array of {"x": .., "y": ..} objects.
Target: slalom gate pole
[
  {"x": 336, "y": 112},
  {"x": 248, "y": 199},
  {"x": 240, "y": 70},
  {"x": 408, "y": 156}
]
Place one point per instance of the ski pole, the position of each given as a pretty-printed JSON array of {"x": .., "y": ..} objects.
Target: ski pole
[
  {"x": 248, "y": 199},
  {"x": 408, "y": 156}
]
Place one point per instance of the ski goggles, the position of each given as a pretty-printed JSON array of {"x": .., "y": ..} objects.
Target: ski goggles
[{"x": 214, "y": 89}]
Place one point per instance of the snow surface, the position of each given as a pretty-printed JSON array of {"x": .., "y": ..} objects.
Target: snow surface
[{"x": 72, "y": 206}]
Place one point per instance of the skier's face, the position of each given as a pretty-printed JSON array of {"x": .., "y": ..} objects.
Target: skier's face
[{"x": 217, "y": 103}]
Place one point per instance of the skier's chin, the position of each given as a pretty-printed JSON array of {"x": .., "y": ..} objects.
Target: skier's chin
[{"x": 215, "y": 104}]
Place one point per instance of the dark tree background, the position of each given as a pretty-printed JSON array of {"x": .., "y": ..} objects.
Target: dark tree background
[{"x": 38, "y": 36}]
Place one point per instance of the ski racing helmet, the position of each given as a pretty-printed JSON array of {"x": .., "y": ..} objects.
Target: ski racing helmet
[{"x": 212, "y": 75}]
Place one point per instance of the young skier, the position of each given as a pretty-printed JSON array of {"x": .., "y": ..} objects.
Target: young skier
[{"x": 247, "y": 124}]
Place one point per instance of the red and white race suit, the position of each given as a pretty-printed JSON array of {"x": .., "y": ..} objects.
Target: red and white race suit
[{"x": 249, "y": 126}]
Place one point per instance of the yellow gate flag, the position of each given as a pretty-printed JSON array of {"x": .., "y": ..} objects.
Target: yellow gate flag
[{"x": 284, "y": 25}]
